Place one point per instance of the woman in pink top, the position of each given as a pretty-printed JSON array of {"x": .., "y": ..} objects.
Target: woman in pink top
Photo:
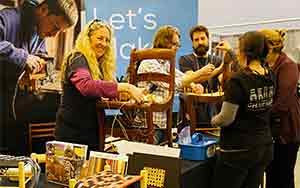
[{"x": 88, "y": 73}]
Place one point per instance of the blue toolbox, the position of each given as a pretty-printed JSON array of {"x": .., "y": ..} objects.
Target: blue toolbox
[{"x": 202, "y": 147}]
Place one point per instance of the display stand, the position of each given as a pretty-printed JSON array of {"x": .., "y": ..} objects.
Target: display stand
[{"x": 172, "y": 172}]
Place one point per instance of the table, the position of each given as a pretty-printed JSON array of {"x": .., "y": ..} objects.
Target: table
[
  {"x": 43, "y": 183},
  {"x": 194, "y": 174}
]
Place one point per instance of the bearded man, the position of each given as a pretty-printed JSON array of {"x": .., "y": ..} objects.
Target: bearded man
[{"x": 198, "y": 60}]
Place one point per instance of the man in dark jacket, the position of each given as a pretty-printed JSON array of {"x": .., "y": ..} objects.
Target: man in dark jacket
[
  {"x": 22, "y": 33},
  {"x": 280, "y": 172},
  {"x": 198, "y": 60}
]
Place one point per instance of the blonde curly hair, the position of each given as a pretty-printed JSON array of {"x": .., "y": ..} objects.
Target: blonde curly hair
[
  {"x": 83, "y": 46},
  {"x": 275, "y": 38}
]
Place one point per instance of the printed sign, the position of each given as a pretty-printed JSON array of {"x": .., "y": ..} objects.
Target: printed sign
[{"x": 135, "y": 22}]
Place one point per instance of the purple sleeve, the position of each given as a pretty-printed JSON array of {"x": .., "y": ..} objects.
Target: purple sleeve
[
  {"x": 7, "y": 49},
  {"x": 13, "y": 54},
  {"x": 83, "y": 81}
]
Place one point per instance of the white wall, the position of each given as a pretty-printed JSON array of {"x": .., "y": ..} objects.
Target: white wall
[{"x": 227, "y": 12}]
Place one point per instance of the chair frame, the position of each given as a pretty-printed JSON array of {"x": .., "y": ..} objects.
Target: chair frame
[
  {"x": 135, "y": 57},
  {"x": 40, "y": 130},
  {"x": 187, "y": 101}
]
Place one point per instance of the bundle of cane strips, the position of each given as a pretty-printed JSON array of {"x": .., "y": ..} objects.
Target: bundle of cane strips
[
  {"x": 19, "y": 161},
  {"x": 116, "y": 119}
]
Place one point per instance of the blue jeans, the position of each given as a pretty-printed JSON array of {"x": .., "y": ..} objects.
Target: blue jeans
[{"x": 159, "y": 136}]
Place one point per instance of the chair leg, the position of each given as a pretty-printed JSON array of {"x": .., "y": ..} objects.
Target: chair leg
[
  {"x": 150, "y": 126},
  {"x": 101, "y": 137},
  {"x": 169, "y": 127},
  {"x": 29, "y": 139}
]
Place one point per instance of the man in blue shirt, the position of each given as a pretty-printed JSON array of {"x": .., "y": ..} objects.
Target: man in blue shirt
[
  {"x": 196, "y": 61},
  {"x": 22, "y": 33}
]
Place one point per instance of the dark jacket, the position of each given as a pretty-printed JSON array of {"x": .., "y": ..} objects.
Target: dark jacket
[
  {"x": 287, "y": 103},
  {"x": 77, "y": 118},
  {"x": 18, "y": 38},
  {"x": 191, "y": 62}
]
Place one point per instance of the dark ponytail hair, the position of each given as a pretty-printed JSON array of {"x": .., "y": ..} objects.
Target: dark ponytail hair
[{"x": 254, "y": 45}]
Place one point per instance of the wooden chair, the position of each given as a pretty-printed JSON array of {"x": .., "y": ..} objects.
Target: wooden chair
[
  {"x": 135, "y": 58},
  {"x": 188, "y": 100},
  {"x": 187, "y": 104},
  {"x": 38, "y": 131}
]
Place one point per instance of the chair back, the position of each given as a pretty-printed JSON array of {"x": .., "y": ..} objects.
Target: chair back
[{"x": 137, "y": 56}]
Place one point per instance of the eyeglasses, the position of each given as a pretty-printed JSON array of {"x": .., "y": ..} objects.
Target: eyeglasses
[
  {"x": 101, "y": 23},
  {"x": 95, "y": 21}
]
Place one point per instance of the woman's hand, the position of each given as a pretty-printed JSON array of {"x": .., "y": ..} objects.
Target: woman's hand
[
  {"x": 35, "y": 64},
  {"x": 137, "y": 93},
  {"x": 197, "y": 88},
  {"x": 223, "y": 45},
  {"x": 134, "y": 92}
]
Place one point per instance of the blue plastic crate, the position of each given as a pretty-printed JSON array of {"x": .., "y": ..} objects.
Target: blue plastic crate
[{"x": 200, "y": 149}]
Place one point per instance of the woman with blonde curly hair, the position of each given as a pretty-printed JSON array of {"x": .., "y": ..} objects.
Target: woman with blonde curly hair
[{"x": 87, "y": 75}]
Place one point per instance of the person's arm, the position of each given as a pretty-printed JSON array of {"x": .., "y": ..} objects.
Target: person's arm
[
  {"x": 19, "y": 56},
  {"x": 186, "y": 66},
  {"x": 7, "y": 50},
  {"x": 82, "y": 80},
  {"x": 287, "y": 79},
  {"x": 233, "y": 98},
  {"x": 229, "y": 58},
  {"x": 226, "y": 116},
  {"x": 84, "y": 83},
  {"x": 205, "y": 73}
]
